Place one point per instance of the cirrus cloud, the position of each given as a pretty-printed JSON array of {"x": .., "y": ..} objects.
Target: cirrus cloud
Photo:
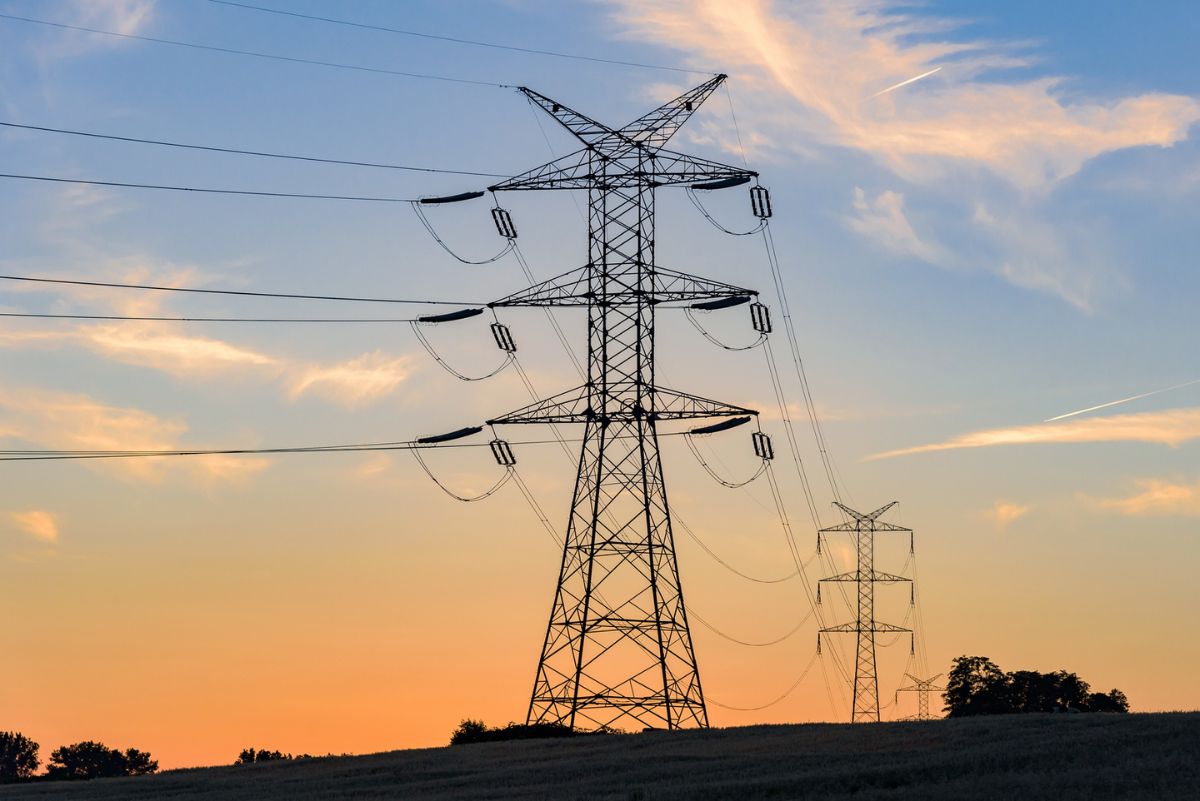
[{"x": 1171, "y": 427}]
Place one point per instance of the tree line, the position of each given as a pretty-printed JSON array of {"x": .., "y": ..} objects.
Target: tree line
[
  {"x": 977, "y": 686},
  {"x": 19, "y": 760}
]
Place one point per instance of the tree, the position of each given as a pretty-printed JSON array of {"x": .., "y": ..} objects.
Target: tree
[
  {"x": 1112, "y": 701},
  {"x": 976, "y": 686},
  {"x": 18, "y": 756},
  {"x": 92, "y": 760}
]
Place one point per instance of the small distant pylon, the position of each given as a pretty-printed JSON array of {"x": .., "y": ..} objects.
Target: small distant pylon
[
  {"x": 866, "y": 681},
  {"x": 922, "y": 687}
]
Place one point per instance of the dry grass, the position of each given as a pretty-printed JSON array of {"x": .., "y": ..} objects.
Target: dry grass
[{"x": 1060, "y": 757}]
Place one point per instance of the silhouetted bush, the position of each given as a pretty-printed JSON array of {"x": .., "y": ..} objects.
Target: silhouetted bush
[
  {"x": 18, "y": 756},
  {"x": 475, "y": 731},
  {"x": 250, "y": 756},
  {"x": 92, "y": 760},
  {"x": 976, "y": 686}
]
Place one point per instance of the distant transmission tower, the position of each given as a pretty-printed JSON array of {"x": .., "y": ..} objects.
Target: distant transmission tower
[
  {"x": 922, "y": 687},
  {"x": 618, "y": 652},
  {"x": 866, "y": 683}
]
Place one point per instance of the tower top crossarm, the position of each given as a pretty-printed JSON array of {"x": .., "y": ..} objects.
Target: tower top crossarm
[
  {"x": 632, "y": 155},
  {"x": 859, "y": 521}
]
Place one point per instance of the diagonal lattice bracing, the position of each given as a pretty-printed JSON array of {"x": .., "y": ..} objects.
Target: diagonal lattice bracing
[{"x": 617, "y": 651}]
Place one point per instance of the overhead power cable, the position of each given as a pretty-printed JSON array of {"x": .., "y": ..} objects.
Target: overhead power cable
[
  {"x": 458, "y": 40},
  {"x": 255, "y": 54},
  {"x": 235, "y": 292},
  {"x": 240, "y": 152},
  {"x": 205, "y": 190},
  {"x": 35, "y": 315}
]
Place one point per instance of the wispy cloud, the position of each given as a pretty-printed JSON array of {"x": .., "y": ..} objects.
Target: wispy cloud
[
  {"x": 1004, "y": 513},
  {"x": 172, "y": 348},
  {"x": 825, "y": 57},
  {"x": 1158, "y": 498},
  {"x": 1172, "y": 427},
  {"x": 37, "y": 523},
  {"x": 882, "y": 220},
  {"x": 976, "y": 131},
  {"x": 77, "y": 422},
  {"x": 355, "y": 382}
]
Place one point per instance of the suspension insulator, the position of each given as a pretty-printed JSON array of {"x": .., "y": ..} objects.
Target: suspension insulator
[
  {"x": 912, "y": 644},
  {"x": 818, "y": 543},
  {"x": 912, "y": 595},
  {"x": 504, "y": 338},
  {"x": 504, "y": 223},
  {"x": 818, "y": 643},
  {"x": 762, "y": 445},
  {"x": 760, "y": 202},
  {"x": 503, "y": 453},
  {"x": 818, "y": 593},
  {"x": 760, "y": 318}
]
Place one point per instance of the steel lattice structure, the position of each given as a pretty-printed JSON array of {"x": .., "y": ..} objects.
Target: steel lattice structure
[
  {"x": 922, "y": 687},
  {"x": 865, "y": 626},
  {"x": 618, "y": 652}
]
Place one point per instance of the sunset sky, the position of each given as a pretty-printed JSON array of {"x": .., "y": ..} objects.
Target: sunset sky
[{"x": 1007, "y": 240}]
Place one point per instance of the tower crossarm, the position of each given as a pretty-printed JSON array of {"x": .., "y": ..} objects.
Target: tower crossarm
[
  {"x": 874, "y": 626},
  {"x": 576, "y": 288},
  {"x": 581, "y": 126},
  {"x": 572, "y": 407},
  {"x": 655, "y": 128},
  {"x": 877, "y": 577}
]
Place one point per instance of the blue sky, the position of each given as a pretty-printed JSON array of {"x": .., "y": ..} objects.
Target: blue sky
[{"x": 1006, "y": 240}]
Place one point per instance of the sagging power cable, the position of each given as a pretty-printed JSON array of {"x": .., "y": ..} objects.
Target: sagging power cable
[
  {"x": 204, "y": 190},
  {"x": 241, "y": 152},
  {"x": 232, "y": 292}
]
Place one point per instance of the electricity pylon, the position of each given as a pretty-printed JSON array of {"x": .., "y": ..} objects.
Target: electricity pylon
[
  {"x": 865, "y": 626},
  {"x": 618, "y": 652},
  {"x": 922, "y": 687}
]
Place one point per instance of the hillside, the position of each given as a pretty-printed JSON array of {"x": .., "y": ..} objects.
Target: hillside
[{"x": 1064, "y": 757}]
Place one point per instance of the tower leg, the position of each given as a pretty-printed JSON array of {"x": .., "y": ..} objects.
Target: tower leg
[{"x": 618, "y": 653}]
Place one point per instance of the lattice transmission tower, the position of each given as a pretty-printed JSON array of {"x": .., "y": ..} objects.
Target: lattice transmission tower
[
  {"x": 618, "y": 652},
  {"x": 866, "y": 681},
  {"x": 922, "y": 687}
]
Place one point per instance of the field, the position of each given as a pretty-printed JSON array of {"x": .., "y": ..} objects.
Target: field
[{"x": 1064, "y": 757}]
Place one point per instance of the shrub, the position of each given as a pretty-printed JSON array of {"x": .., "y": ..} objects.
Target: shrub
[
  {"x": 475, "y": 731},
  {"x": 249, "y": 756}
]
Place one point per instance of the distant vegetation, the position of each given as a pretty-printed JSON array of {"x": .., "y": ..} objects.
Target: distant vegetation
[
  {"x": 86, "y": 760},
  {"x": 977, "y": 686},
  {"x": 476, "y": 731},
  {"x": 249, "y": 756}
]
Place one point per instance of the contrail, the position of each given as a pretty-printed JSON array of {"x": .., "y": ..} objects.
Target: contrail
[
  {"x": 1122, "y": 400},
  {"x": 906, "y": 83}
]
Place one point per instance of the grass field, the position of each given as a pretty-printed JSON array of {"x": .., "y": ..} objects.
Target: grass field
[{"x": 1064, "y": 757}]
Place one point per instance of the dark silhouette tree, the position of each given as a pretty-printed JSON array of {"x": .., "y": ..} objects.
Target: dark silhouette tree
[
  {"x": 976, "y": 686},
  {"x": 18, "y": 756},
  {"x": 1112, "y": 701},
  {"x": 92, "y": 760}
]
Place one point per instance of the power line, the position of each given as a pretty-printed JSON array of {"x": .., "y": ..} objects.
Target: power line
[
  {"x": 256, "y": 54},
  {"x": 235, "y": 292},
  {"x": 39, "y": 316},
  {"x": 205, "y": 190},
  {"x": 458, "y": 40},
  {"x": 240, "y": 152}
]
